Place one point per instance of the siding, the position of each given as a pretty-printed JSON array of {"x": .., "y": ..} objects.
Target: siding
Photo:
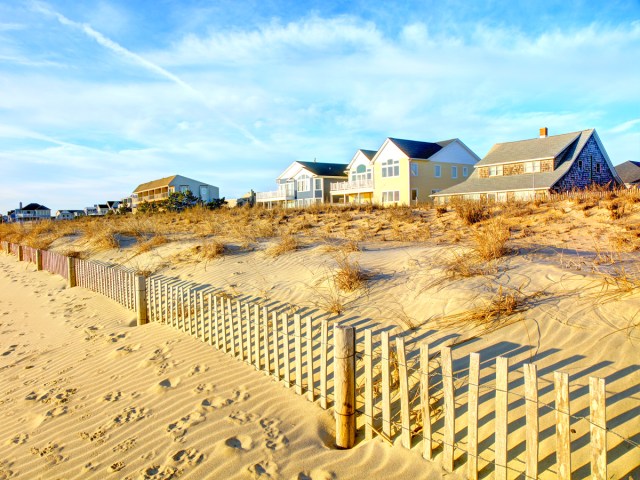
[{"x": 576, "y": 178}]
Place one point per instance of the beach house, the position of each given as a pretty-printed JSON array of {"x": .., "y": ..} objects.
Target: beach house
[
  {"x": 158, "y": 190},
  {"x": 69, "y": 214},
  {"x": 629, "y": 173},
  {"x": 524, "y": 169},
  {"x": 29, "y": 213},
  {"x": 404, "y": 172},
  {"x": 303, "y": 184}
]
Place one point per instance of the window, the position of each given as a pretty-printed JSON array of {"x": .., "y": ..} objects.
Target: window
[
  {"x": 437, "y": 171},
  {"x": 531, "y": 167},
  {"x": 465, "y": 171},
  {"x": 580, "y": 165},
  {"x": 318, "y": 183},
  {"x": 495, "y": 170},
  {"x": 362, "y": 173},
  {"x": 414, "y": 169},
  {"x": 414, "y": 195},
  {"x": 184, "y": 188},
  {"x": 435, "y": 191},
  {"x": 304, "y": 183},
  {"x": 392, "y": 196},
  {"x": 598, "y": 168},
  {"x": 391, "y": 168},
  {"x": 454, "y": 172}
]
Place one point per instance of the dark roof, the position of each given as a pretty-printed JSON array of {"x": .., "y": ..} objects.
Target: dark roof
[
  {"x": 629, "y": 171},
  {"x": 415, "y": 149},
  {"x": 368, "y": 153},
  {"x": 534, "y": 148},
  {"x": 326, "y": 169},
  {"x": 541, "y": 180},
  {"x": 35, "y": 206}
]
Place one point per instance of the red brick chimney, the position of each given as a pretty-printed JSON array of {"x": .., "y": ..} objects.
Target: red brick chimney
[{"x": 544, "y": 132}]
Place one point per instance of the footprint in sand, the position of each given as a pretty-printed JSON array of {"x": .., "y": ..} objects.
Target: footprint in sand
[
  {"x": 190, "y": 457},
  {"x": 115, "y": 337},
  {"x": 128, "y": 444},
  {"x": 12, "y": 348},
  {"x": 125, "y": 350},
  {"x": 273, "y": 439},
  {"x": 50, "y": 453},
  {"x": 204, "y": 388},
  {"x": 195, "y": 369},
  {"x": 180, "y": 428},
  {"x": 216, "y": 402},
  {"x": 316, "y": 475},
  {"x": 18, "y": 439},
  {"x": 112, "y": 396},
  {"x": 263, "y": 470},
  {"x": 166, "y": 385},
  {"x": 116, "y": 467},
  {"x": 5, "y": 470},
  {"x": 241, "y": 443},
  {"x": 131, "y": 414},
  {"x": 242, "y": 418}
]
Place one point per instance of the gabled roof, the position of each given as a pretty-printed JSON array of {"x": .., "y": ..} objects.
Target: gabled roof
[
  {"x": 565, "y": 157},
  {"x": 368, "y": 153},
  {"x": 35, "y": 206},
  {"x": 416, "y": 149},
  {"x": 532, "y": 149},
  {"x": 325, "y": 169},
  {"x": 163, "y": 182},
  {"x": 629, "y": 171}
]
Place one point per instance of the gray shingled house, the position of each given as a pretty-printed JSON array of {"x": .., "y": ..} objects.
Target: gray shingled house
[
  {"x": 536, "y": 167},
  {"x": 629, "y": 172}
]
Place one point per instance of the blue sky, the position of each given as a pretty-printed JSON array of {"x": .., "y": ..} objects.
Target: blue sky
[{"x": 99, "y": 96}]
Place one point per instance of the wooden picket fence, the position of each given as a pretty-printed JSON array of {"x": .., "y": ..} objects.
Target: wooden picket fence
[{"x": 405, "y": 390}]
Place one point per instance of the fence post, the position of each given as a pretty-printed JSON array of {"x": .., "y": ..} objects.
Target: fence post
[
  {"x": 71, "y": 272},
  {"x": 598, "y": 428},
  {"x": 20, "y": 253},
  {"x": 141, "y": 300},
  {"x": 345, "y": 391},
  {"x": 39, "y": 259}
]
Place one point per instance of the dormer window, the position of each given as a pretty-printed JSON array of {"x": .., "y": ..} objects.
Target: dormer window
[
  {"x": 531, "y": 167},
  {"x": 495, "y": 170}
]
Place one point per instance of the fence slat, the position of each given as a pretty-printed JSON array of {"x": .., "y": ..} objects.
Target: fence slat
[
  {"x": 405, "y": 413},
  {"x": 449, "y": 409},
  {"x": 232, "y": 327},
  {"x": 247, "y": 321},
  {"x": 598, "y": 428},
  {"x": 531, "y": 413},
  {"x": 502, "y": 401},
  {"x": 472, "y": 421},
  {"x": 310, "y": 383},
  {"x": 324, "y": 350},
  {"x": 297, "y": 332},
  {"x": 386, "y": 386},
  {"x": 266, "y": 340},
  {"x": 240, "y": 329},
  {"x": 427, "y": 451},
  {"x": 285, "y": 345},
  {"x": 563, "y": 432},
  {"x": 256, "y": 335},
  {"x": 223, "y": 316},
  {"x": 368, "y": 385},
  {"x": 276, "y": 345}
]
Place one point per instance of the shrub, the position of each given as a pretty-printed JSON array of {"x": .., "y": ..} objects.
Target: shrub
[
  {"x": 491, "y": 239},
  {"x": 470, "y": 212}
]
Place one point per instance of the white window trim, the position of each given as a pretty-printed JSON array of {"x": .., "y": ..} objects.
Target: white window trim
[
  {"x": 437, "y": 171},
  {"x": 414, "y": 169},
  {"x": 465, "y": 171},
  {"x": 394, "y": 194},
  {"x": 454, "y": 171},
  {"x": 391, "y": 167}
]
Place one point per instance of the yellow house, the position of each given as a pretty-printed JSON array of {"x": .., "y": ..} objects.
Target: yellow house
[{"x": 405, "y": 172}]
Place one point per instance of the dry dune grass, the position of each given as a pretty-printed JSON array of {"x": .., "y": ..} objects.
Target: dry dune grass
[{"x": 349, "y": 276}]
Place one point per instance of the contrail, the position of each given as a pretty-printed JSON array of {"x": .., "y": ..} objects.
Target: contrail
[{"x": 122, "y": 51}]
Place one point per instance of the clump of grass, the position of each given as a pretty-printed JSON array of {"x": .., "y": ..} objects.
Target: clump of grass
[
  {"x": 210, "y": 250},
  {"x": 465, "y": 265},
  {"x": 491, "y": 239},
  {"x": 349, "y": 276},
  {"x": 470, "y": 212},
  {"x": 287, "y": 243},
  {"x": 493, "y": 313},
  {"x": 151, "y": 243}
]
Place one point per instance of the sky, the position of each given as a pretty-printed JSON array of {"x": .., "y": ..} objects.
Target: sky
[{"x": 97, "y": 97}]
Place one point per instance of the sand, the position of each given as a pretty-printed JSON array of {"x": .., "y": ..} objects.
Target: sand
[{"x": 86, "y": 394}]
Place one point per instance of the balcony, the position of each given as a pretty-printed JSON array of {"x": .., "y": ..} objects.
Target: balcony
[
  {"x": 356, "y": 186},
  {"x": 149, "y": 198},
  {"x": 282, "y": 194}
]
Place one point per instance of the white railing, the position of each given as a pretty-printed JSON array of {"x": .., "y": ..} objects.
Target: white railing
[
  {"x": 288, "y": 194},
  {"x": 364, "y": 184}
]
